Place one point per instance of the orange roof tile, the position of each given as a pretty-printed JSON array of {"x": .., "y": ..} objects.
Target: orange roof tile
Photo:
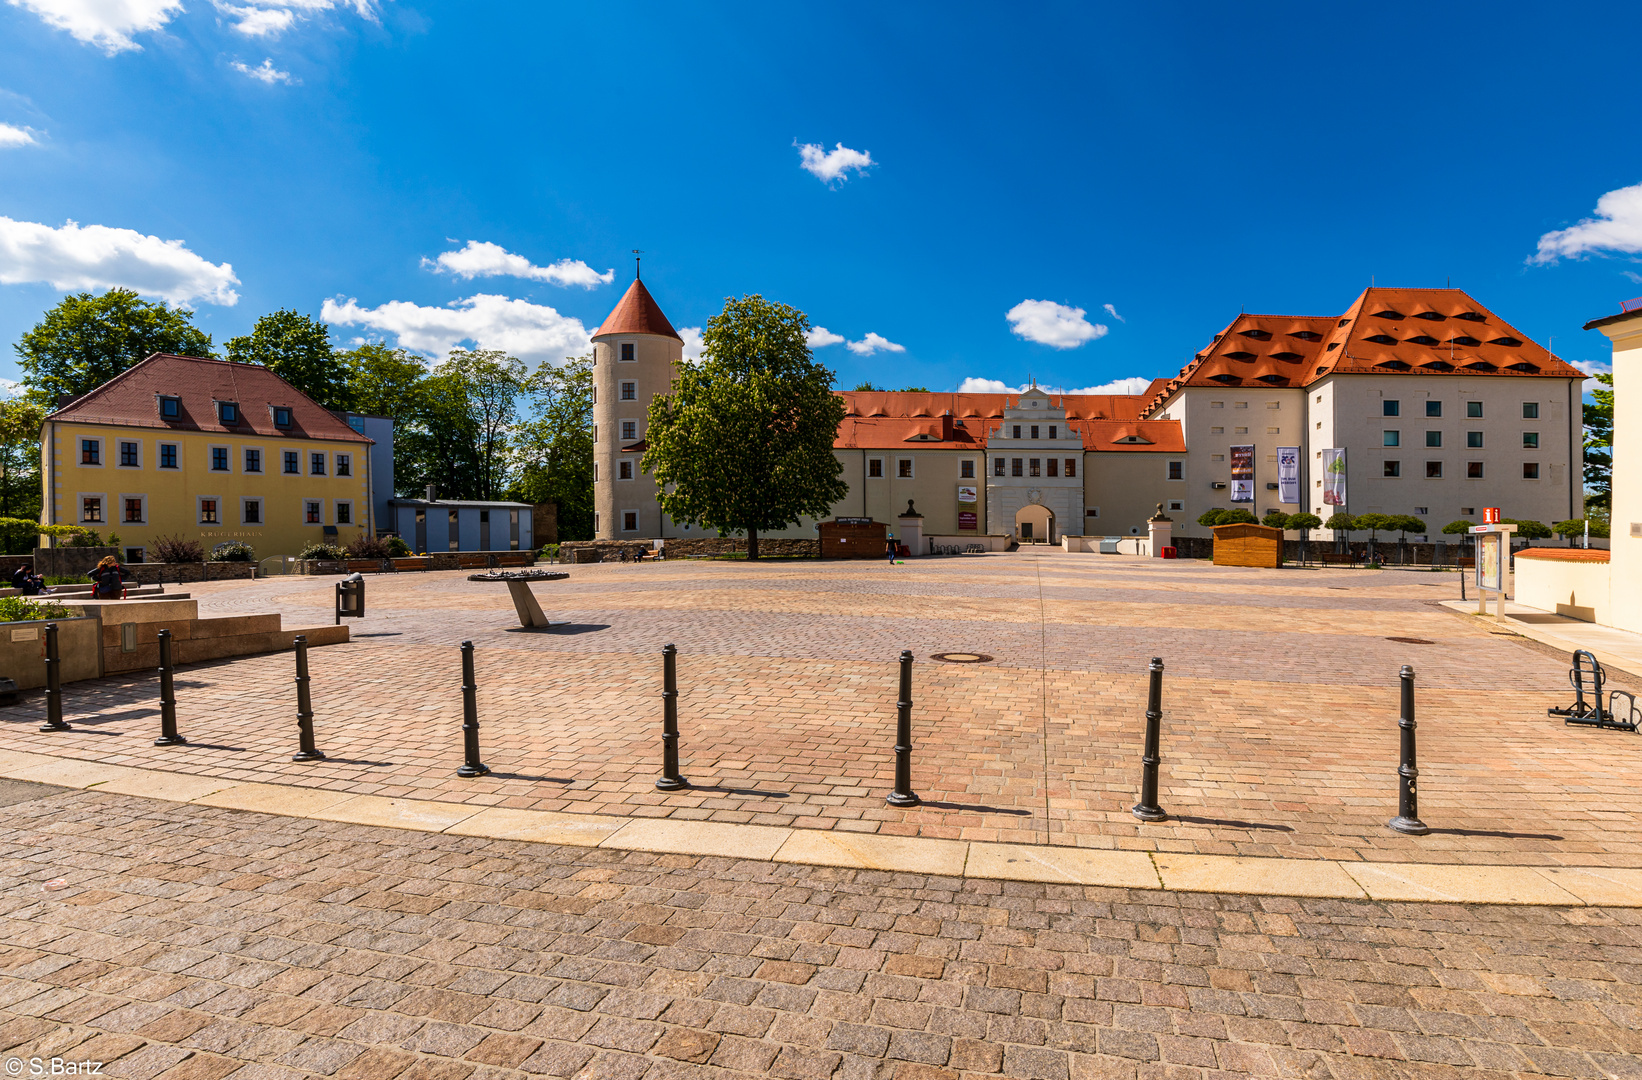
[
  {"x": 637, "y": 313},
  {"x": 132, "y": 399}
]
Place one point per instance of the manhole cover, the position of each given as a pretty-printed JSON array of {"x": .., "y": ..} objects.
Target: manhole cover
[
  {"x": 961, "y": 657},
  {"x": 1411, "y": 640}
]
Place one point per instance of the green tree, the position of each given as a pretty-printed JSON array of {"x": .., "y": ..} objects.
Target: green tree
[
  {"x": 437, "y": 441},
  {"x": 297, "y": 348},
  {"x": 1373, "y": 523},
  {"x": 20, "y": 491},
  {"x": 1305, "y": 522},
  {"x": 86, "y": 340},
  {"x": 866, "y": 386},
  {"x": 1405, "y": 524},
  {"x": 1575, "y": 527},
  {"x": 1599, "y": 445},
  {"x": 390, "y": 382},
  {"x": 1341, "y": 522},
  {"x": 554, "y": 448},
  {"x": 492, "y": 382},
  {"x": 1276, "y": 519},
  {"x": 743, "y": 442},
  {"x": 1529, "y": 530},
  {"x": 1238, "y": 516},
  {"x": 1210, "y": 518}
]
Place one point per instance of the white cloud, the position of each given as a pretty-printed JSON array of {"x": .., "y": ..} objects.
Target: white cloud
[
  {"x": 107, "y": 24},
  {"x": 1056, "y": 325},
  {"x": 11, "y": 136},
  {"x": 484, "y": 259},
  {"x": 1112, "y": 311},
  {"x": 1132, "y": 385},
  {"x": 873, "y": 343},
  {"x": 819, "y": 337},
  {"x": 265, "y": 72},
  {"x": 1591, "y": 368},
  {"x": 829, "y": 166},
  {"x": 531, "y": 332},
  {"x": 691, "y": 335},
  {"x": 269, "y": 18},
  {"x": 98, "y": 257},
  {"x": 1617, "y": 227}
]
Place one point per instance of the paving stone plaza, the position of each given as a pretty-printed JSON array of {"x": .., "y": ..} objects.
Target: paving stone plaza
[{"x": 190, "y": 936}]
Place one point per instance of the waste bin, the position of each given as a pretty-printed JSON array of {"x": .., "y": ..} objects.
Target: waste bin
[{"x": 350, "y": 597}]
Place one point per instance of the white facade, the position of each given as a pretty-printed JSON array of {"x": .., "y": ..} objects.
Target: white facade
[{"x": 1034, "y": 459}]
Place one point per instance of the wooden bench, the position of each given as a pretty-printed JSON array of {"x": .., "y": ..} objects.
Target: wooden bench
[{"x": 1337, "y": 558}]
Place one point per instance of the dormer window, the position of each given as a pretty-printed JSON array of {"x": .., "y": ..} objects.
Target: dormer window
[
  {"x": 1431, "y": 316},
  {"x": 1388, "y": 314},
  {"x": 170, "y": 408},
  {"x": 1307, "y": 335},
  {"x": 1423, "y": 339},
  {"x": 1471, "y": 316},
  {"x": 282, "y": 416},
  {"x": 227, "y": 412},
  {"x": 1381, "y": 339},
  {"x": 1508, "y": 342}
]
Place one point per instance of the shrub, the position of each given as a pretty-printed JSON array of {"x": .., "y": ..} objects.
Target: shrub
[
  {"x": 1305, "y": 522},
  {"x": 1276, "y": 519},
  {"x": 1239, "y": 516},
  {"x": 68, "y": 579},
  {"x": 1528, "y": 530},
  {"x": 232, "y": 551},
  {"x": 321, "y": 550},
  {"x": 369, "y": 547},
  {"x": 1575, "y": 527},
  {"x": 1210, "y": 518},
  {"x": 1456, "y": 528},
  {"x": 549, "y": 551},
  {"x": 397, "y": 547},
  {"x": 176, "y": 549},
  {"x": 1341, "y": 522},
  {"x": 86, "y": 538},
  {"x": 20, "y": 608}
]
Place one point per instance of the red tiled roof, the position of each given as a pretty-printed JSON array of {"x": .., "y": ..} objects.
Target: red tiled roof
[
  {"x": 1419, "y": 332},
  {"x": 1133, "y": 436},
  {"x": 913, "y": 403},
  {"x": 132, "y": 399},
  {"x": 637, "y": 313},
  {"x": 1596, "y": 555},
  {"x": 893, "y": 419}
]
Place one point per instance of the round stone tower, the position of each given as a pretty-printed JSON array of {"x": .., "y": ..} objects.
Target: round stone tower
[{"x": 635, "y": 355}]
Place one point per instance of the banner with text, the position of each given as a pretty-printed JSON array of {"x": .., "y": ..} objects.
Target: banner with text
[
  {"x": 1288, "y": 474},
  {"x": 1334, "y": 477},
  {"x": 968, "y": 495},
  {"x": 1242, "y": 474}
]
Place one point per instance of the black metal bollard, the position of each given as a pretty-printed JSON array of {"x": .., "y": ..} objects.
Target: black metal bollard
[
  {"x": 902, "y": 795},
  {"x": 471, "y": 765},
  {"x": 669, "y": 780},
  {"x": 54, "y": 684},
  {"x": 1147, "y": 809},
  {"x": 1408, "y": 796},
  {"x": 168, "y": 697},
  {"x": 304, "y": 706}
]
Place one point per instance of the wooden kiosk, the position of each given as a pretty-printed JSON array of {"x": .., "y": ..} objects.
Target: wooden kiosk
[
  {"x": 1248, "y": 545},
  {"x": 854, "y": 538}
]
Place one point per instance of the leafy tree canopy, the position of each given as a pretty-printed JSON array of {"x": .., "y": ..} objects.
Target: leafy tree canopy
[
  {"x": 1276, "y": 519},
  {"x": 743, "y": 442},
  {"x": 1305, "y": 522},
  {"x": 1373, "y": 523},
  {"x": 86, "y": 340},
  {"x": 297, "y": 348},
  {"x": 1463, "y": 525},
  {"x": 1599, "y": 445},
  {"x": 1576, "y": 527},
  {"x": 554, "y": 449},
  {"x": 1407, "y": 523},
  {"x": 1210, "y": 518},
  {"x": 1341, "y": 522},
  {"x": 1529, "y": 530}
]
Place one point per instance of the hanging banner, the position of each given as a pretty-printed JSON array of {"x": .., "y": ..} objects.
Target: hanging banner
[
  {"x": 1242, "y": 474},
  {"x": 1288, "y": 474},
  {"x": 1334, "y": 477}
]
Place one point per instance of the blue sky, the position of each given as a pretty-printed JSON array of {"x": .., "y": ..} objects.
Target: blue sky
[{"x": 1176, "y": 162}]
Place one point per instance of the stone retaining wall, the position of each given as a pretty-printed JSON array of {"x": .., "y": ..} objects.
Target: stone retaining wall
[
  {"x": 780, "y": 547},
  {"x": 176, "y": 573}
]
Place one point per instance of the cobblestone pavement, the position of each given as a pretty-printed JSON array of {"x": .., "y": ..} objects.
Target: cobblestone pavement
[
  {"x": 1280, "y": 732},
  {"x": 186, "y": 943}
]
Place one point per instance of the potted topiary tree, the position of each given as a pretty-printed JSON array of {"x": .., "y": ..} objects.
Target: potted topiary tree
[
  {"x": 1343, "y": 525},
  {"x": 1305, "y": 523}
]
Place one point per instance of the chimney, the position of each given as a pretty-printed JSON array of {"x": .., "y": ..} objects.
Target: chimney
[{"x": 432, "y": 493}]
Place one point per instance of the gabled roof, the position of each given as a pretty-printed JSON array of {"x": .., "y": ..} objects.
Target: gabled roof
[
  {"x": 132, "y": 399},
  {"x": 893, "y": 419},
  {"x": 914, "y": 403},
  {"x": 637, "y": 313},
  {"x": 1385, "y": 331}
]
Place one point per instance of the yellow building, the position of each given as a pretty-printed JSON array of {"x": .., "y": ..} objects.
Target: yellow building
[{"x": 209, "y": 451}]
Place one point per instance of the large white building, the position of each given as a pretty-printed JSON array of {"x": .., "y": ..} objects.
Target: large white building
[{"x": 1413, "y": 401}]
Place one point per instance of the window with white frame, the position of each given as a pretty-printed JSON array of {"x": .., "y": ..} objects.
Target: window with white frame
[
  {"x": 629, "y": 521},
  {"x": 344, "y": 512},
  {"x": 250, "y": 511},
  {"x": 998, "y": 466},
  {"x": 219, "y": 459},
  {"x": 253, "y": 459},
  {"x": 168, "y": 455},
  {"x": 91, "y": 452},
  {"x": 91, "y": 509},
  {"x": 134, "y": 509},
  {"x": 629, "y": 430},
  {"x": 210, "y": 509},
  {"x": 1177, "y": 470},
  {"x": 627, "y": 351},
  {"x": 293, "y": 463},
  {"x": 966, "y": 469},
  {"x": 903, "y": 468},
  {"x": 344, "y": 464},
  {"x": 875, "y": 468},
  {"x": 629, "y": 391},
  {"x": 131, "y": 454},
  {"x": 316, "y": 464},
  {"x": 624, "y": 469},
  {"x": 313, "y": 512}
]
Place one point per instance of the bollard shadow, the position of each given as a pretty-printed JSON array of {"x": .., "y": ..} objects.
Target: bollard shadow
[
  {"x": 215, "y": 746},
  {"x": 560, "y": 628},
  {"x": 1230, "y": 823},
  {"x": 753, "y": 793},
  {"x": 537, "y": 779},
  {"x": 1499, "y": 835},
  {"x": 355, "y": 761},
  {"x": 380, "y": 633},
  {"x": 976, "y": 808}
]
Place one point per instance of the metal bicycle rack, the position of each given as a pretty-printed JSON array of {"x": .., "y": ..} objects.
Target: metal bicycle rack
[{"x": 1587, "y": 677}]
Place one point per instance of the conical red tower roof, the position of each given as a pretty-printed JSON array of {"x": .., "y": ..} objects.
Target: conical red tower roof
[{"x": 637, "y": 313}]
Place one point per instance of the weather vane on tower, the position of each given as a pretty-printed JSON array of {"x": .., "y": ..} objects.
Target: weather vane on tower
[{"x": 637, "y": 258}]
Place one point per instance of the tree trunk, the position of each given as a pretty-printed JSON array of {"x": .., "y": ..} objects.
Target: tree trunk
[{"x": 752, "y": 543}]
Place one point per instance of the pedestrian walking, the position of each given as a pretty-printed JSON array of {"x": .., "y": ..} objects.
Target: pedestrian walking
[{"x": 891, "y": 543}]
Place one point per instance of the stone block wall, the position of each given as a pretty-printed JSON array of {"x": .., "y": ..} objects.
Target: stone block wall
[{"x": 177, "y": 573}]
